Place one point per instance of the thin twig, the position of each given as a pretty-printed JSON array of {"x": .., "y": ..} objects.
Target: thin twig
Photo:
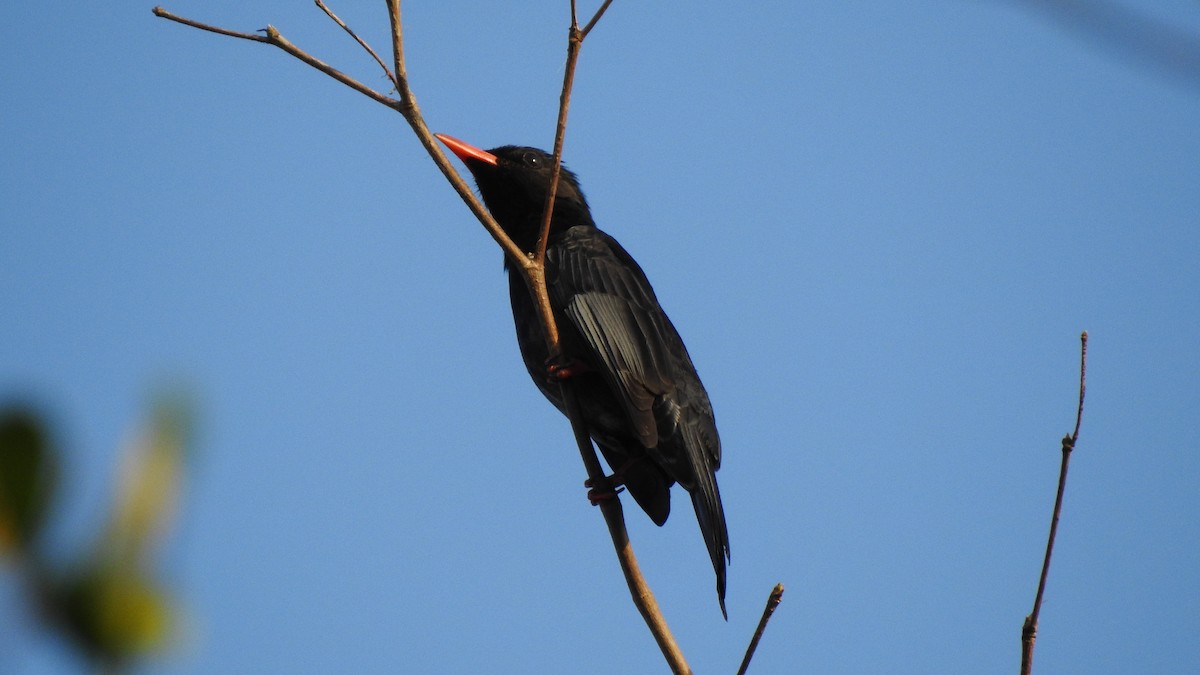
[
  {"x": 614, "y": 518},
  {"x": 599, "y": 13},
  {"x": 160, "y": 12},
  {"x": 406, "y": 106},
  {"x": 773, "y": 601},
  {"x": 575, "y": 39},
  {"x": 574, "y": 42},
  {"x": 274, "y": 37},
  {"x": 1082, "y": 385},
  {"x": 397, "y": 43},
  {"x": 362, "y": 43},
  {"x": 412, "y": 114},
  {"x": 643, "y": 597},
  {"x": 1029, "y": 629}
]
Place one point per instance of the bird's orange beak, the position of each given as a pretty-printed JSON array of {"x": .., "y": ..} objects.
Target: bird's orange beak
[{"x": 466, "y": 152}]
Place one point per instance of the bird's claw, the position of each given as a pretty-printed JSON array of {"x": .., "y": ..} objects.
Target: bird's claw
[
  {"x": 603, "y": 490},
  {"x": 602, "y": 494},
  {"x": 564, "y": 367}
]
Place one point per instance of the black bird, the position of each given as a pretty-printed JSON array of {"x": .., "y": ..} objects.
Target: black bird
[{"x": 641, "y": 398}]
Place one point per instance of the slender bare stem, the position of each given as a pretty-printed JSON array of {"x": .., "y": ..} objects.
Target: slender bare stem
[
  {"x": 162, "y": 13},
  {"x": 773, "y": 601},
  {"x": 397, "y": 41},
  {"x": 575, "y": 39},
  {"x": 574, "y": 43},
  {"x": 406, "y": 106},
  {"x": 1029, "y": 629},
  {"x": 362, "y": 43},
  {"x": 274, "y": 37},
  {"x": 591, "y": 24},
  {"x": 614, "y": 517},
  {"x": 530, "y": 266},
  {"x": 643, "y": 597},
  {"x": 412, "y": 114},
  {"x": 1083, "y": 338}
]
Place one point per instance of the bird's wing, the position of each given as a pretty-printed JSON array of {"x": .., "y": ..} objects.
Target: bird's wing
[{"x": 609, "y": 301}]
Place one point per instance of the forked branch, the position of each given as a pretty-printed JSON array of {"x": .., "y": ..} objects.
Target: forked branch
[
  {"x": 272, "y": 36},
  {"x": 362, "y": 43},
  {"x": 643, "y": 597},
  {"x": 575, "y": 38},
  {"x": 531, "y": 265}
]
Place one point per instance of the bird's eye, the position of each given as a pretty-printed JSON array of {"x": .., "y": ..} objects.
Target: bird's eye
[{"x": 532, "y": 159}]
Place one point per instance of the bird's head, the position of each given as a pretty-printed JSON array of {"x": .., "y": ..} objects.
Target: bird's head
[{"x": 513, "y": 182}]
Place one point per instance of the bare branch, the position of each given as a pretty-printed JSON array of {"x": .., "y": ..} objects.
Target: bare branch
[
  {"x": 591, "y": 24},
  {"x": 1082, "y": 385},
  {"x": 643, "y": 597},
  {"x": 1029, "y": 629},
  {"x": 574, "y": 43},
  {"x": 614, "y": 517},
  {"x": 412, "y": 114},
  {"x": 162, "y": 13},
  {"x": 773, "y": 601},
  {"x": 274, "y": 37},
  {"x": 397, "y": 42},
  {"x": 406, "y": 106},
  {"x": 362, "y": 43}
]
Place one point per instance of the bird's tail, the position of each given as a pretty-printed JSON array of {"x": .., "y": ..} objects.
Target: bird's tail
[{"x": 706, "y": 499}]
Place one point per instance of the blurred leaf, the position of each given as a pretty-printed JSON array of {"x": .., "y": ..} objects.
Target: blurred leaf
[
  {"x": 27, "y": 478},
  {"x": 114, "y": 613},
  {"x": 149, "y": 483},
  {"x": 109, "y": 604}
]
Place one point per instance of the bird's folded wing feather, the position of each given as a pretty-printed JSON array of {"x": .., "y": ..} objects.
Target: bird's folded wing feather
[{"x": 610, "y": 302}]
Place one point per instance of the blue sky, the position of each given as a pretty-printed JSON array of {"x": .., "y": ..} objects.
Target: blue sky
[{"x": 879, "y": 229}]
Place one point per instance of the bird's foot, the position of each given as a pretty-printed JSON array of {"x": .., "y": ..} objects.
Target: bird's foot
[
  {"x": 604, "y": 490},
  {"x": 559, "y": 368}
]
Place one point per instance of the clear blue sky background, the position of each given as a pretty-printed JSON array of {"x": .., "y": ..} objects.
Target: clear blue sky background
[{"x": 879, "y": 227}]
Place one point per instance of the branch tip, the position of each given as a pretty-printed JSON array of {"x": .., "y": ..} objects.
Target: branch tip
[
  {"x": 773, "y": 601},
  {"x": 1029, "y": 629}
]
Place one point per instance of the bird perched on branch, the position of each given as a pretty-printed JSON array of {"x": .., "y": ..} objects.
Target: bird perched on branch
[{"x": 639, "y": 393}]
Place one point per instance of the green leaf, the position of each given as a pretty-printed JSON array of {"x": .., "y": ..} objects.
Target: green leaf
[
  {"x": 114, "y": 613},
  {"x": 27, "y": 478}
]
